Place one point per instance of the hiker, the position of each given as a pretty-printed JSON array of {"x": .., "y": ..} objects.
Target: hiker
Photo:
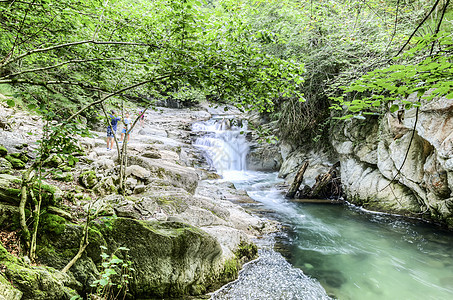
[
  {"x": 111, "y": 129},
  {"x": 127, "y": 123}
]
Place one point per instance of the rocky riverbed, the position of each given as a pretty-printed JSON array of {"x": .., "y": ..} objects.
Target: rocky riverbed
[{"x": 184, "y": 232}]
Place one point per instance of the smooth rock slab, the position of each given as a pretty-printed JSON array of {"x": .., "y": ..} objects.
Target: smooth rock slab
[{"x": 169, "y": 258}]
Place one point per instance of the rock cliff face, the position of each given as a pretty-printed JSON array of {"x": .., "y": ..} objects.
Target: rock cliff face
[{"x": 375, "y": 171}]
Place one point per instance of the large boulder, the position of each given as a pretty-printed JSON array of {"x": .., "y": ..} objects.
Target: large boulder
[
  {"x": 37, "y": 283},
  {"x": 170, "y": 259}
]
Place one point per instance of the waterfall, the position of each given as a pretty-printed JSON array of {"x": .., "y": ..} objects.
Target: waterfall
[{"x": 224, "y": 142}]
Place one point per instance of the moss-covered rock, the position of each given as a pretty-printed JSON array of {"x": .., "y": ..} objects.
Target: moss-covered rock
[
  {"x": 37, "y": 283},
  {"x": 88, "y": 179},
  {"x": 65, "y": 177},
  {"x": 170, "y": 259},
  {"x": 106, "y": 186},
  {"x": 8, "y": 291},
  {"x": 53, "y": 161},
  {"x": 9, "y": 216},
  {"x": 51, "y": 223},
  {"x": 20, "y": 155},
  {"x": 51, "y": 194},
  {"x": 3, "y": 151},
  {"x": 5, "y": 166},
  {"x": 10, "y": 188},
  {"x": 15, "y": 162},
  {"x": 10, "y": 191}
]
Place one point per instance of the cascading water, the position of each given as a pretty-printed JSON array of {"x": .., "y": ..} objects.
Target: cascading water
[
  {"x": 224, "y": 144},
  {"x": 353, "y": 253},
  {"x": 270, "y": 276}
]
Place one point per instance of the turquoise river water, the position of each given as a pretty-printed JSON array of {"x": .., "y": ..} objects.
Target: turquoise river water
[
  {"x": 356, "y": 254},
  {"x": 337, "y": 250}
]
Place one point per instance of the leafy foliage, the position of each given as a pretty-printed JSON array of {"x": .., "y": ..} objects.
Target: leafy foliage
[
  {"x": 82, "y": 50},
  {"x": 428, "y": 77},
  {"x": 114, "y": 277}
]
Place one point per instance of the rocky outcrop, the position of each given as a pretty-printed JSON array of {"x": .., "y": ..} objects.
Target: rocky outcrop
[
  {"x": 400, "y": 163},
  {"x": 389, "y": 166},
  {"x": 182, "y": 232},
  {"x": 33, "y": 282}
]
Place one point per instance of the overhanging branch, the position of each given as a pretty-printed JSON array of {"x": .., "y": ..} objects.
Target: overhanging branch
[{"x": 55, "y": 47}]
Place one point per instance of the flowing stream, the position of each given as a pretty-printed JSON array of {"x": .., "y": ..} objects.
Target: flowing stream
[{"x": 336, "y": 250}]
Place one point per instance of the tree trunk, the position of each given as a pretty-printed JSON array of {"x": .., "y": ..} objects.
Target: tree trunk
[
  {"x": 323, "y": 181},
  {"x": 26, "y": 178},
  {"x": 297, "y": 181}
]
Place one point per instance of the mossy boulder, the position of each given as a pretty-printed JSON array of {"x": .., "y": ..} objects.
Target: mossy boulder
[
  {"x": 5, "y": 166},
  {"x": 65, "y": 176},
  {"x": 8, "y": 291},
  {"x": 9, "y": 216},
  {"x": 51, "y": 223},
  {"x": 170, "y": 259},
  {"x": 15, "y": 162},
  {"x": 10, "y": 191},
  {"x": 53, "y": 161},
  {"x": 10, "y": 188},
  {"x": 37, "y": 282},
  {"x": 20, "y": 155},
  {"x": 3, "y": 151},
  {"x": 88, "y": 179}
]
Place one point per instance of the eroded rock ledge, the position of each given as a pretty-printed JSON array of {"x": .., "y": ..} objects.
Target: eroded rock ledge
[{"x": 372, "y": 152}]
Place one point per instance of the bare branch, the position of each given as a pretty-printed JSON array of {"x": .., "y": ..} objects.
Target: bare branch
[
  {"x": 74, "y": 44},
  {"x": 62, "y": 64},
  {"x": 119, "y": 92}
]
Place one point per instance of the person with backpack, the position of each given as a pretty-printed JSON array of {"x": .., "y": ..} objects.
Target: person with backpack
[{"x": 111, "y": 129}]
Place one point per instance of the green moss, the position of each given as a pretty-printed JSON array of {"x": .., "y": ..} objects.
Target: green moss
[
  {"x": 230, "y": 269},
  {"x": 52, "y": 223},
  {"x": 88, "y": 179},
  {"x": 246, "y": 250},
  {"x": 65, "y": 168},
  {"x": 20, "y": 155},
  {"x": 5, "y": 256},
  {"x": 15, "y": 221},
  {"x": 17, "y": 163},
  {"x": 3, "y": 151},
  {"x": 51, "y": 194},
  {"x": 65, "y": 177},
  {"x": 53, "y": 161}
]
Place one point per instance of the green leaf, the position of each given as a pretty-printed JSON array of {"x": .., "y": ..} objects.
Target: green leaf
[
  {"x": 103, "y": 282},
  {"x": 394, "y": 108},
  {"x": 10, "y": 102}
]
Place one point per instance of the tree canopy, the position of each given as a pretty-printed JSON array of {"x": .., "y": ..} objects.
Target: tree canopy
[
  {"x": 77, "y": 51},
  {"x": 355, "y": 55}
]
